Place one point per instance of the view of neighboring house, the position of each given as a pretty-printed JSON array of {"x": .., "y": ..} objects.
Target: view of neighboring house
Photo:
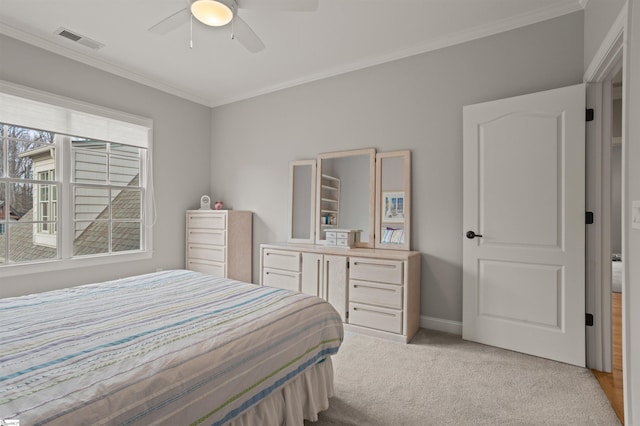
[{"x": 107, "y": 217}]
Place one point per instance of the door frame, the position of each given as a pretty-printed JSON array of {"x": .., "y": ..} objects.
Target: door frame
[{"x": 609, "y": 59}]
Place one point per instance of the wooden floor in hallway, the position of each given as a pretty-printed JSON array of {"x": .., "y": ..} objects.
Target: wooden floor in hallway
[{"x": 612, "y": 382}]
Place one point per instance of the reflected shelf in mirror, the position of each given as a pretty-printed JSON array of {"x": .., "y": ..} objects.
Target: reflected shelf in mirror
[{"x": 345, "y": 193}]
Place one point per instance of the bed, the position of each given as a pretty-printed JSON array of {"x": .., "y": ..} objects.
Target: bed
[{"x": 172, "y": 347}]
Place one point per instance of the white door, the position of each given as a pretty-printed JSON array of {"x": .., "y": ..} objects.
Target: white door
[{"x": 524, "y": 185}]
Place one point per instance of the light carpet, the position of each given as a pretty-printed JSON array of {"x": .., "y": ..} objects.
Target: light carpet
[{"x": 440, "y": 379}]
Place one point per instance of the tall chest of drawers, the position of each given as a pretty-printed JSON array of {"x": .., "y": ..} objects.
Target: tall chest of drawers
[
  {"x": 218, "y": 242},
  {"x": 376, "y": 292}
]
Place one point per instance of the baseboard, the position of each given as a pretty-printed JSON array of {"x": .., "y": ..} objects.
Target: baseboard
[{"x": 439, "y": 324}]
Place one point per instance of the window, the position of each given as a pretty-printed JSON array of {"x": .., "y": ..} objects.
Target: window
[
  {"x": 20, "y": 189},
  {"x": 45, "y": 205},
  {"x": 107, "y": 197},
  {"x": 47, "y": 198},
  {"x": 73, "y": 181}
]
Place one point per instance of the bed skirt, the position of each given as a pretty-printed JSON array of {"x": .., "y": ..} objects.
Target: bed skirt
[{"x": 300, "y": 399}]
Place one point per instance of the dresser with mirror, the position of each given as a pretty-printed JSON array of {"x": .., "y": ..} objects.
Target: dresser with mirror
[{"x": 349, "y": 240}]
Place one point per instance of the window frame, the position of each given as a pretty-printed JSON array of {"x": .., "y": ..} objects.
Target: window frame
[{"x": 64, "y": 183}]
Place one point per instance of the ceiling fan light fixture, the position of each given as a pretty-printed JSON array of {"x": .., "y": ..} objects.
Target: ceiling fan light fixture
[{"x": 215, "y": 13}]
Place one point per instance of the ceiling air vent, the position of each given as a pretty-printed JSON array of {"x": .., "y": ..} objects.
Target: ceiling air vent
[{"x": 85, "y": 41}]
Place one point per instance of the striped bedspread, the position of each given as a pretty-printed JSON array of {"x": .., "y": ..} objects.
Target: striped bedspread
[{"x": 174, "y": 347}]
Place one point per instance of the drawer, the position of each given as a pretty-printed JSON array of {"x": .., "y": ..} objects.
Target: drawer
[
  {"x": 281, "y": 259},
  {"x": 372, "y": 293},
  {"x": 342, "y": 242},
  {"x": 386, "y": 271},
  {"x": 212, "y": 268},
  {"x": 204, "y": 236},
  {"x": 206, "y": 252},
  {"x": 331, "y": 240},
  {"x": 375, "y": 317},
  {"x": 208, "y": 220},
  {"x": 281, "y": 279}
]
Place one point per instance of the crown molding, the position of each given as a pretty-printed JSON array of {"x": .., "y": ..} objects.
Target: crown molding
[
  {"x": 448, "y": 41},
  {"x": 478, "y": 32},
  {"x": 49, "y": 46}
]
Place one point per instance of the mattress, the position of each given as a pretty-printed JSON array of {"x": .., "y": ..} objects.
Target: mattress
[{"x": 172, "y": 347}]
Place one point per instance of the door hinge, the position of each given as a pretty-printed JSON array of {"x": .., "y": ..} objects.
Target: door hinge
[
  {"x": 589, "y": 115},
  {"x": 589, "y": 218},
  {"x": 588, "y": 320}
]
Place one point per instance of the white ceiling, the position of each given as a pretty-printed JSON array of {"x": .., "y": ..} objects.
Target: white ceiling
[{"x": 340, "y": 36}]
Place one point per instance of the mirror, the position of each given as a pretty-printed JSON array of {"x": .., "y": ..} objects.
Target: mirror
[
  {"x": 345, "y": 194},
  {"x": 302, "y": 201},
  {"x": 393, "y": 200}
]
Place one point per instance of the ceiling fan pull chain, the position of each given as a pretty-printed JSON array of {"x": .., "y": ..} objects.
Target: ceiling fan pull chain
[
  {"x": 233, "y": 34},
  {"x": 191, "y": 32}
]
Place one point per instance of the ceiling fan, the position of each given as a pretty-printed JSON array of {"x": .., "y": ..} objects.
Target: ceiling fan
[{"x": 219, "y": 13}]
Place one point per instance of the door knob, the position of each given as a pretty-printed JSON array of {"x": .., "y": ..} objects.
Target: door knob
[{"x": 471, "y": 235}]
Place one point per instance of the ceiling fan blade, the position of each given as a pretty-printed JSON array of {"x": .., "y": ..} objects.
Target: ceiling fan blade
[
  {"x": 171, "y": 22},
  {"x": 245, "y": 35},
  {"x": 292, "y": 5}
]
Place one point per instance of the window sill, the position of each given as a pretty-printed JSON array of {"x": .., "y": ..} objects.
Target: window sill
[{"x": 59, "y": 265}]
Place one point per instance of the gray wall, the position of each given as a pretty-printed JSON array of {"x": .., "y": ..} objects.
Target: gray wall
[
  {"x": 616, "y": 199},
  {"x": 616, "y": 179},
  {"x": 413, "y": 103},
  {"x": 181, "y": 151}
]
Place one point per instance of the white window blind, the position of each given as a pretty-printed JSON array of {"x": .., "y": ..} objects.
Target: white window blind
[{"x": 39, "y": 110}]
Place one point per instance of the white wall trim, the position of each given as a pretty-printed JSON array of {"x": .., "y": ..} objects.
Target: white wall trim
[
  {"x": 609, "y": 50},
  {"x": 439, "y": 324},
  {"x": 78, "y": 262},
  {"x": 630, "y": 403}
]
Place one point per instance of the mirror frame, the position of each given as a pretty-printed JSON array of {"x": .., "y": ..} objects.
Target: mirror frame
[
  {"x": 371, "y": 152},
  {"x": 406, "y": 156},
  {"x": 312, "y": 206}
]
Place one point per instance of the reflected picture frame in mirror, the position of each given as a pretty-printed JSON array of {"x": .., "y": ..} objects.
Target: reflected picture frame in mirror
[{"x": 393, "y": 200}]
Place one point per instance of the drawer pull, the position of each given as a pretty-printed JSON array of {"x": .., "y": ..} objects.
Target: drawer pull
[
  {"x": 278, "y": 273},
  {"x": 375, "y": 312},
  {"x": 212, "y": 248},
  {"x": 375, "y": 287},
  {"x": 279, "y": 254},
  {"x": 379, "y": 265}
]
